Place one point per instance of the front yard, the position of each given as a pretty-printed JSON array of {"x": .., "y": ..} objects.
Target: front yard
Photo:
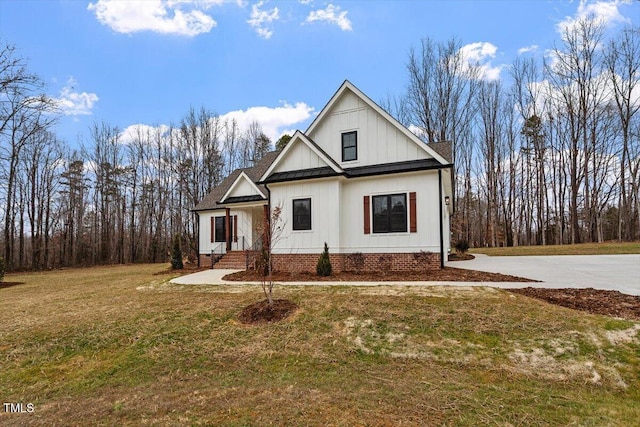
[{"x": 122, "y": 346}]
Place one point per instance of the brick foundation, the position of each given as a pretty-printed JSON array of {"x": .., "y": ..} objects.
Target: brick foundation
[{"x": 420, "y": 261}]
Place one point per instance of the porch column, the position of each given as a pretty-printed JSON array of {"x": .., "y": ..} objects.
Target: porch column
[
  {"x": 227, "y": 228},
  {"x": 266, "y": 227}
]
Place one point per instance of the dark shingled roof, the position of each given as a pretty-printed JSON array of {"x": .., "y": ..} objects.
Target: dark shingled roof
[
  {"x": 210, "y": 201},
  {"x": 444, "y": 149}
]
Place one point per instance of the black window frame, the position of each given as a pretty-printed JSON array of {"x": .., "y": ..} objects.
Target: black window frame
[
  {"x": 220, "y": 237},
  {"x": 388, "y": 221},
  {"x": 297, "y": 225},
  {"x": 354, "y": 146}
]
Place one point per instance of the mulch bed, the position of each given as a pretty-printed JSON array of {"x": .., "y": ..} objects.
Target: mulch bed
[
  {"x": 447, "y": 274},
  {"x": 263, "y": 312},
  {"x": 188, "y": 269},
  {"x": 460, "y": 257},
  {"x": 596, "y": 301}
]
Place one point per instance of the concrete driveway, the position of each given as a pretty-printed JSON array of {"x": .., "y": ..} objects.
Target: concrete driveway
[{"x": 609, "y": 272}]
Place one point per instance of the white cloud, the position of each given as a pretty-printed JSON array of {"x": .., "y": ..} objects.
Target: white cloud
[
  {"x": 606, "y": 12},
  {"x": 143, "y": 132},
  {"x": 260, "y": 20},
  {"x": 479, "y": 55},
  {"x": 274, "y": 121},
  {"x": 332, "y": 15},
  {"x": 526, "y": 49},
  {"x": 180, "y": 17},
  {"x": 72, "y": 103}
]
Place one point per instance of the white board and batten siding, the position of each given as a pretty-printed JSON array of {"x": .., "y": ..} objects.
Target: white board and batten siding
[
  {"x": 325, "y": 215},
  {"x": 299, "y": 157},
  {"x": 337, "y": 214},
  {"x": 378, "y": 140},
  {"x": 245, "y": 227},
  {"x": 427, "y": 235}
]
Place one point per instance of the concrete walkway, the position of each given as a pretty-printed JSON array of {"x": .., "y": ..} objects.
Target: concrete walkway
[
  {"x": 214, "y": 277},
  {"x": 609, "y": 272}
]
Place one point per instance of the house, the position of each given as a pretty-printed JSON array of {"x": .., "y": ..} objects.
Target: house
[{"x": 356, "y": 179}]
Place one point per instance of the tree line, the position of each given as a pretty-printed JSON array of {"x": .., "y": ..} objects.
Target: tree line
[
  {"x": 107, "y": 200},
  {"x": 549, "y": 155}
]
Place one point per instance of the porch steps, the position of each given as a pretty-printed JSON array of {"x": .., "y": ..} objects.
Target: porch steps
[{"x": 232, "y": 260}]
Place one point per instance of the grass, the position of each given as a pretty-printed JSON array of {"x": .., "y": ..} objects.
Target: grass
[
  {"x": 605, "y": 248},
  {"x": 121, "y": 346}
]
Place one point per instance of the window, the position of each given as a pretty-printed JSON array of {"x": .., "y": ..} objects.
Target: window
[
  {"x": 349, "y": 146},
  {"x": 302, "y": 214},
  {"x": 220, "y": 229},
  {"x": 390, "y": 213}
]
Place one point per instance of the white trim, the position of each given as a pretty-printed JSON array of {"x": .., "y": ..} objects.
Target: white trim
[
  {"x": 235, "y": 183},
  {"x": 299, "y": 136},
  {"x": 348, "y": 85}
]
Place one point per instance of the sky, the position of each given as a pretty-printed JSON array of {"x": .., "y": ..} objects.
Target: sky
[{"x": 131, "y": 63}]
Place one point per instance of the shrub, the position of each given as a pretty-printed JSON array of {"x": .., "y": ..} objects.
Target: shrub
[
  {"x": 462, "y": 246},
  {"x": 2, "y": 268},
  {"x": 324, "y": 264},
  {"x": 176, "y": 254}
]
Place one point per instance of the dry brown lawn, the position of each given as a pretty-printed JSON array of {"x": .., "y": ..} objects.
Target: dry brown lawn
[{"x": 122, "y": 346}]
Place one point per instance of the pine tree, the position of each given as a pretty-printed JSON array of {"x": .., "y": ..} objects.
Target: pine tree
[
  {"x": 176, "y": 254},
  {"x": 324, "y": 263}
]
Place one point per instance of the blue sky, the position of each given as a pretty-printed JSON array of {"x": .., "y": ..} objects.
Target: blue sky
[{"x": 277, "y": 62}]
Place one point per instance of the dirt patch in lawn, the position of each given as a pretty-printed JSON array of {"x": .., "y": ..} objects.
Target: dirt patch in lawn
[
  {"x": 263, "y": 312},
  {"x": 596, "y": 301},
  {"x": 447, "y": 274},
  {"x": 9, "y": 284}
]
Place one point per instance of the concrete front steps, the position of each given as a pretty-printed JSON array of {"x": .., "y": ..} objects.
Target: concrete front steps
[{"x": 235, "y": 260}]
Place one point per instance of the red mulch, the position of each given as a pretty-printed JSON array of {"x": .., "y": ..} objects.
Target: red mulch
[
  {"x": 595, "y": 301},
  {"x": 263, "y": 312},
  {"x": 447, "y": 274}
]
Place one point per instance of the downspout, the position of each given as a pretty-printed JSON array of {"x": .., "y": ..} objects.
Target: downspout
[
  {"x": 269, "y": 217},
  {"x": 198, "y": 237},
  {"x": 440, "y": 218}
]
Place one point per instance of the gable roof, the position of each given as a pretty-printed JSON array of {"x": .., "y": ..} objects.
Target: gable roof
[
  {"x": 242, "y": 177},
  {"x": 347, "y": 85},
  {"x": 444, "y": 148},
  {"x": 300, "y": 138},
  {"x": 211, "y": 200}
]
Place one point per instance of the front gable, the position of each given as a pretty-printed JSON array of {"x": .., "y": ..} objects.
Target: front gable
[
  {"x": 380, "y": 138},
  {"x": 300, "y": 154},
  {"x": 242, "y": 188}
]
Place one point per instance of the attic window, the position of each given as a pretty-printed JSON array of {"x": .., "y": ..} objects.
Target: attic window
[{"x": 349, "y": 146}]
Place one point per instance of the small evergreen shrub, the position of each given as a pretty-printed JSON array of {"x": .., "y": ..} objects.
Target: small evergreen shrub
[
  {"x": 176, "y": 254},
  {"x": 2, "y": 268},
  {"x": 462, "y": 246},
  {"x": 324, "y": 264}
]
